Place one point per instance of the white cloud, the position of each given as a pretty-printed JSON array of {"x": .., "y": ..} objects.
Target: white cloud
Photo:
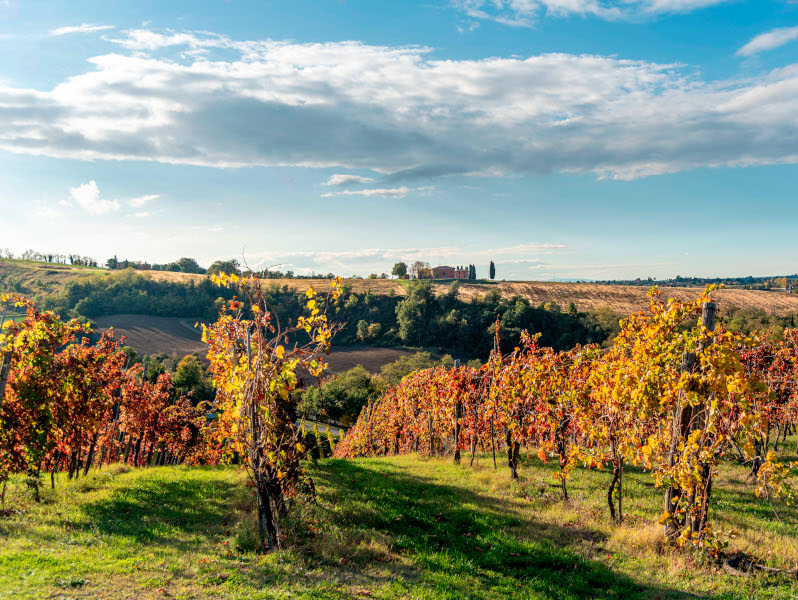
[
  {"x": 87, "y": 196},
  {"x": 399, "y": 192},
  {"x": 83, "y": 28},
  {"x": 768, "y": 41},
  {"x": 525, "y": 13},
  {"x": 344, "y": 179},
  {"x": 140, "y": 215},
  {"x": 401, "y": 113},
  {"x": 140, "y": 201}
]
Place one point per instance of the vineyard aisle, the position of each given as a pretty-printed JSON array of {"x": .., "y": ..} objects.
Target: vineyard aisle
[{"x": 400, "y": 527}]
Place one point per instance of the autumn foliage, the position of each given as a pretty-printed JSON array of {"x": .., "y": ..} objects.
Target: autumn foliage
[
  {"x": 66, "y": 404},
  {"x": 673, "y": 394},
  {"x": 256, "y": 363}
]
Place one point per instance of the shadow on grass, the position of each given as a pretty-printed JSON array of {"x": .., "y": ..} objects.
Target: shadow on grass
[
  {"x": 160, "y": 509},
  {"x": 463, "y": 543}
]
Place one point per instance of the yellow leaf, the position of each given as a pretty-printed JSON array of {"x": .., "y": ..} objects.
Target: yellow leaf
[
  {"x": 280, "y": 351},
  {"x": 311, "y": 292}
]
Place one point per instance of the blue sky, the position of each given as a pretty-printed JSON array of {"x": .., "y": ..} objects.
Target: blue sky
[{"x": 560, "y": 138}]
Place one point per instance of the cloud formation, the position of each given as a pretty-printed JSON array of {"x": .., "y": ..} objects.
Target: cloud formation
[
  {"x": 87, "y": 196},
  {"x": 769, "y": 40},
  {"x": 340, "y": 179},
  {"x": 140, "y": 201},
  {"x": 399, "y": 112},
  {"x": 525, "y": 13},
  {"x": 399, "y": 192},
  {"x": 83, "y": 28}
]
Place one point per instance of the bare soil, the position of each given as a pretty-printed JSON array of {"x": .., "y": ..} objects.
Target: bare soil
[
  {"x": 177, "y": 337},
  {"x": 155, "y": 335},
  {"x": 344, "y": 358}
]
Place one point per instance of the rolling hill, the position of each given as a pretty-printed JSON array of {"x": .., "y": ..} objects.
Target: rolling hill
[{"x": 623, "y": 299}]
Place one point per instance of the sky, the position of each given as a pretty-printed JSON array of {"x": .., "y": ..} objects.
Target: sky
[{"x": 562, "y": 139}]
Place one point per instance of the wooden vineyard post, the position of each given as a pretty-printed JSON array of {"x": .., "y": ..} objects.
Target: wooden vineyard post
[
  {"x": 705, "y": 491},
  {"x": 431, "y": 440},
  {"x": 681, "y": 421},
  {"x": 686, "y": 419},
  {"x": 5, "y": 363},
  {"x": 5, "y": 367},
  {"x": 458, "y": 409}
]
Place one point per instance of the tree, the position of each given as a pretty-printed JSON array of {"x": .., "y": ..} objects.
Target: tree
[
  {"x": 492, "y": 270},
  {"x": 189, "y": 373},
  {"x": 225, "y": 266},
  {"x": 189, "y": 265},
  {"x": 112, "y": 263},
  {"x": 418, "y": 268},
  {"x": 414, "y": 313},
  {"x": 572, "y": 311},
  {"x": 399, "y": 270},
  {"x": 362, "y": 330},
  {"x": 343, "y": 397}
]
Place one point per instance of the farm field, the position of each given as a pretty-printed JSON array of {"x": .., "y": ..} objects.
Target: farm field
[
  {"x": 623, "y": 299},
  {"x": 586, "y": 296},
  {"x": 155, "y": 335},
  {"x": 400, "y": 527},
  {"x": 174, "y": 336}
]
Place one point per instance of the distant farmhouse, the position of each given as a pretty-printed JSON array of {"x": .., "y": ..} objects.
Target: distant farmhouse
[{"x": 446, "y": 272}]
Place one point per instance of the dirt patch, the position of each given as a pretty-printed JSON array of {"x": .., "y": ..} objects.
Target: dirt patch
[
  {"x": 155, "y": 335},
  {"x": 174, "y": 336},
  {"x": 344, "y": 358}
]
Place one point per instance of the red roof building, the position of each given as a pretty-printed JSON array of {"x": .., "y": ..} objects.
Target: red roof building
[{"x": 447, "y": 272}]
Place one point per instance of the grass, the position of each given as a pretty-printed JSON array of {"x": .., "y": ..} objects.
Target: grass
[{"x": 403, "y": 527}]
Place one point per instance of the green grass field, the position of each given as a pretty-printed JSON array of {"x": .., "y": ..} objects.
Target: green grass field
[{"x": 404, "y": 527}]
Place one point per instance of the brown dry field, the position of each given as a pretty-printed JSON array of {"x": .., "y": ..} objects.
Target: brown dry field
[
  {"x": 176, "y": 337},
  {"x": 155, "y": 335},
  {"x": 626, "y": 299},
  {"x": 621, "y": 299}
]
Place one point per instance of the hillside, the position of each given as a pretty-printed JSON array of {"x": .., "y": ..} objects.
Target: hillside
[
  {"x": 622, "y": 299},
  {"x": 390, "y": 528}
]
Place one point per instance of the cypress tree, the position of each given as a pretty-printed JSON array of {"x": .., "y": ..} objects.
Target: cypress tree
[{"x": 492, "y": 270}]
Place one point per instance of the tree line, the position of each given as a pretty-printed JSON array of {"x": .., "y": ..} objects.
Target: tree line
[{"x": 443, "y": 323}]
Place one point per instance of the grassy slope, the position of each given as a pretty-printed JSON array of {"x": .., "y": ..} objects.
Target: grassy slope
[{"x": 383, "y": 528}]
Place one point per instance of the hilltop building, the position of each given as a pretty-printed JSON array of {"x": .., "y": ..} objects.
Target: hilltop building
[{"x": 447, "y": 272}]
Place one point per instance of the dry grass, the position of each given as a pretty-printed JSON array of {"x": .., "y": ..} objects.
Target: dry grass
[
  {"x": 626, "y": 299},
  {"x": 621, "y": 299}
]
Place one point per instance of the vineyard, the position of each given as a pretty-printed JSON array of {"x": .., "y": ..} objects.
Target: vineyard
[{"x": 677, "y": 399}]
